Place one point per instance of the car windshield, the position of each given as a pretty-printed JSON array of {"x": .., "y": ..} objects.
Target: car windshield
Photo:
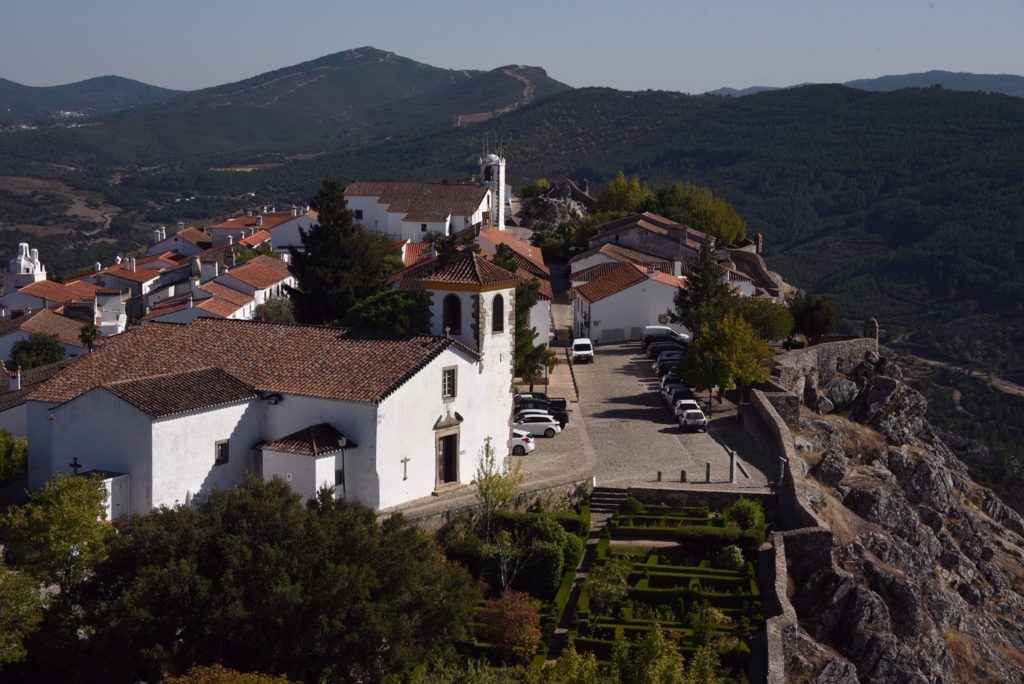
[
  {"x": 694, "y": 415},
  {"x": 581, "y": 346}
]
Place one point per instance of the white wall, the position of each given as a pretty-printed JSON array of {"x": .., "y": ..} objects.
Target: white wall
[
  {"x": 540, "y": 320},
  {"x": 590, "y": 260},
  {"x": 104, "y": 432},
  {"x": 285, "y": 235},
  {"x": 305, "y": 474},
  {"x": 21, "y": 300},
  {"x": 407, "y": 418},
  {"x": 15, "y": 420},
  {"x": 184, "y": 451},
  {"x": 356, "y": 420},
  {"x": 616, "y": 318},
  {"x": 173, "y": 243}
]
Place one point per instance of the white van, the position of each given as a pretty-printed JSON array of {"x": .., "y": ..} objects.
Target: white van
[{"x": 582, "y": 350}]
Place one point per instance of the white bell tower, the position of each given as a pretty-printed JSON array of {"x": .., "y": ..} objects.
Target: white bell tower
[
  {"x": 492, "y": 173},
  {"x": 23, "y": 269}
]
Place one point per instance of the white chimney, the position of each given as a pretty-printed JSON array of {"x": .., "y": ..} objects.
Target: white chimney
[
  {"x": 677, "y": 269},
  {"x": 190, "y": 299},
  {"x": 181, "y": 225},
  {"x": 132, "y": 264},
  {"x": 117, "y": 260},
  {"x": 99, "y": 266},
  {"x": 259, "y": 220},
  {"x": 15, "y": 383},
  {"x": 295, "y": 211},
  {"x": 231, "y": 240},
  {"x": 163, "y": 232},
  {"x": 249, "y": 213},
  {"x": 157, "y": 236}
]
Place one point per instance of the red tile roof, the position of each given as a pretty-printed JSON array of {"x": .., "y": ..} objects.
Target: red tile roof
[
  {"x": 218, "y": 306},
  {"x": 138, "y": 276},
  {"x": 268, "y": 221},
  {"x": 412, "y": 252},
  {"x": 53, "y": 291},
  {"x": 29, "y": 380},
  {"x": 426, "y": 202},
  {"x": 226, "y": 293},
  {"x": 653, "y": 223},
  {"x": 332, "y": 363},
  {"x": 612, "y": 282},
  {"x": 621, "y": 253},
  {"x": 47, "y": 321},
  {"x": 316, "y": 440},
  {"x": 166, "y": 395},
  {"x": 531, "y": 255},
  {"x": 257, "y": 238},
  {"x": 195, "y": 236},
  {"x": 468, "y": 268},
  {"x": 261, "y": 272}
]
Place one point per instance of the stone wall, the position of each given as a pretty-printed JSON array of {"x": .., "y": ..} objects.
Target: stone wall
[{"x": 793, "y": 369}]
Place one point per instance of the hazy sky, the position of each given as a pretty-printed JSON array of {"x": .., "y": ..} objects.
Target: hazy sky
[{"x": 683, "y": 45}]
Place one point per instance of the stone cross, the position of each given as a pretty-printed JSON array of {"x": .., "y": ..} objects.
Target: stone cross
[
  {"x": 75, "y": 465},
  {"x": 405, "y": 468}
]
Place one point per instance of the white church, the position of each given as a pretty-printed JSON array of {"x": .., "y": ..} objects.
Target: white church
[
  {"x": 409, "y": 211},
  {"x": 166, "y": 413}
]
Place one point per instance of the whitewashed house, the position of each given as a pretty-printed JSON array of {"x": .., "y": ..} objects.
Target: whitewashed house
[
  {"x": 261, "y": 278},
  {"x": 620, "y": 300},
  {"x": 175, "y": 411},
  {"x": 530, "y": 265}
]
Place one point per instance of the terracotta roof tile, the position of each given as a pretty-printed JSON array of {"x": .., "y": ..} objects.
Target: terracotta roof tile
[
  {"x": 46, "y": 321},
  {"x": 614, "y": 281},
  {"x": 333, "y": 363},
  {"x": 139, "y": 276},
  {"x": 29, "y": 380},
  {"x": 53, "y": 291},
  {"x": 422, "y": 201},
  {"x": 257, "y": 238},
  {"x": 531, "y": 255},
  {"x": 218, "y": 306},
  {"x": 468, "y": 268},
  {"x": 195, "y": 236},
  {"x": 653, "y": 223},
  {"x": 621, "y": 253},
  {"x": 315, "y": 440},
  {"x": 225, "y": 292},
  {"x": 268, "y": 221},
  {"x": 165, "y": 395},
  {"x": 261, "y": 272}
]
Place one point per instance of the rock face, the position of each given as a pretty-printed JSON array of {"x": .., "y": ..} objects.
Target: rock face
[
  {"x": 560, "y": 203},
  {"x": 926, "y": 582}
]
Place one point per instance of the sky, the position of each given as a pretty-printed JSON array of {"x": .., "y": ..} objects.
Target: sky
[{"x": 689, "y": 46}]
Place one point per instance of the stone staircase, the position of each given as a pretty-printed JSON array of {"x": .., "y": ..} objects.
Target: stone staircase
[{"x": 604, "y": 501}]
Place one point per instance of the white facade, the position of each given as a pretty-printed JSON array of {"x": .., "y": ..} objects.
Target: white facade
[
  {"x": 492, "y": 173},
  {"x": 376, "y": 216},
  {"x": 623, "y": 315},
  {"x": 24, "y": 269},
  {"x": 540, "y": 320},
  {"x": 285, "y": 235}
]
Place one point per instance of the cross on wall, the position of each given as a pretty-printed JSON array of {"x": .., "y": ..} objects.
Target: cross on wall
[{"x": 405, "y": 468}]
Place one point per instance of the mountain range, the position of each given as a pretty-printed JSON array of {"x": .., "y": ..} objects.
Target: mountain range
[
  {"x": 902, "y": 205},
  {"x": 1007, "y": 84}
]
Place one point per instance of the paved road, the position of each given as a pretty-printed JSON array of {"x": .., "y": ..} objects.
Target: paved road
[{"x": 633, "y": 436}]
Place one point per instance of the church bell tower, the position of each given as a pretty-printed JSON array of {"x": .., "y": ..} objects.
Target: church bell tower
[{"x": 492, "y": 174}]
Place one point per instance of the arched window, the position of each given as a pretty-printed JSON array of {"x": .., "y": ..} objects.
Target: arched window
[
  {"x": 498, "y": 309},
  {"x": 453, "y": 314},
  {"x": 489, "y": 173}
]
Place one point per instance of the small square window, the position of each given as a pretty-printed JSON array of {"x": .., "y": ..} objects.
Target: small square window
[
  {"x": 423, "y": 227},
  {"x": 221, "y": 452},
  {"x": 448, "y": 383},
  {"x": 359, "y": 214}
]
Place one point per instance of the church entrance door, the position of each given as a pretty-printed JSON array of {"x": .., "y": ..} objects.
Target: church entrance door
[{"x": 448, "y": 459}]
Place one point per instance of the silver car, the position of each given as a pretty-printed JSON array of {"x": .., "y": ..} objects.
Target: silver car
[{"x": 692, "y": 420}]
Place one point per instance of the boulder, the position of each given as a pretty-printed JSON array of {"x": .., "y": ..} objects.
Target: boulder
[
  {"x": 832, "y": 468},
  {"x": 841, "y": 392}
]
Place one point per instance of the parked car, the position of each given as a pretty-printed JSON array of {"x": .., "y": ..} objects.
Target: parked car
[
  {"x": 693, "y": 420},
  {"x": 557, "y": 402},
  {"x": 538, "y": 425},
  {"x": 669, "y": 378},
  {"x": 668, "y": 390},
  {"x": 662, "y": 333},
  {"x": 582, "y": 350},
  {"x": 660, "y": 368},
  {"x": 559, "y": 414},
  {"x": 657, "y": 347},
  {"x": 522, "y": 443},
  {"x": 669, "y": 354},
  {"x": 683, "y": 404}
]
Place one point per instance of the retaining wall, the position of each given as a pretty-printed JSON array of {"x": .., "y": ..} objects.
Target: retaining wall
[{"x": 793, "y": 367}]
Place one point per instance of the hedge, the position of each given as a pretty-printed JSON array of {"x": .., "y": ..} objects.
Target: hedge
[{"x": 707, "y": 537}]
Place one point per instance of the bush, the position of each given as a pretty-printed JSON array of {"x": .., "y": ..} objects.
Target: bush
[
  {"x": 748, "y": 514},
  {"x": 632, "y": 506},
  {"x": 511, "y": 623},
  {"x": 542, "y": 570},
  {"x": 13, "y": 456},
  {"x": 731, "y": 558},
  {"x": 707, "y": 538}
]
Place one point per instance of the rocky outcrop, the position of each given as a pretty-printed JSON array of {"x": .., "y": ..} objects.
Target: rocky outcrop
[
  {"x": 926, "y": 577},
  {"x": 560, "y": 203}
]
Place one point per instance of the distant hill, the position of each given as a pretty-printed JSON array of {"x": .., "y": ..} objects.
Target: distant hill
[
  {"x": 346, "y": 98},
  {"x": 21, "y": 104},
  {"x": 1007, "y": 84}
]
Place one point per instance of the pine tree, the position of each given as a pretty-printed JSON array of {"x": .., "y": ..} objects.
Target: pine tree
[
  {"x": 707, "y": 295},
  {"x": 340, "y": 264}
]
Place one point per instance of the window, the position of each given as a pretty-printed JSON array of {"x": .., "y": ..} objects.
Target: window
[
  {"x": 339, "y": 477},
  {"x": 452, "y": 314},
  {"x": 423, "y": 227},
  {"x": 359, "y": 214},
  {"x": 448, "y": 386},
  {"x": 221, "y": 452},
  {"x": 498, "y": 324}
]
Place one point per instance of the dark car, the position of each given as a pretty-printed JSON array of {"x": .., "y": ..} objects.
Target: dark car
[
  {"x": 658, "y": 347},
  {"x": 560, "y": 414}
]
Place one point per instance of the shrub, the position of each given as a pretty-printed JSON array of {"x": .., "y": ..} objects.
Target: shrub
[
  {"x": 731, "y": 558},
  {"x": 511, "y": 623},
  {"x": 542, "y": 570},
  {"x": 632, "y": 505},
  {"x": 13, "y": 456},
  {"x": 748, "y": 514}
]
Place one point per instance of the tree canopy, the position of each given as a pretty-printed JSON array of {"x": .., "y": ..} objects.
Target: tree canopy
[
  {"x": 726, "y": 354},
  {"x": 813, "y": 316},
  {"x": 38, "y": 349},
  {"x": 700, "y": 208},
  {"x": 706, "y": 295},
  {"x": 340, "y": 264},
  {"x": 254, "y": 580},
  {"x": 391, "y": 310},
  {"x": 625, "y": 195}
]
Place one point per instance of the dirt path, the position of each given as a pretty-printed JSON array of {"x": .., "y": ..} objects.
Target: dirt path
[{"x": 478, "y": 117}]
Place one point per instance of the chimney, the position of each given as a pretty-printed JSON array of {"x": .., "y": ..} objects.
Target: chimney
[
  {"x": 758, "y": 243},
  {"x": 677, "y": 269},
  {"x": 295, "y": 211},
  {"x": 131, "y": 264},
  {"x": 249, "y": 213},
  {"x": 259, "y": 220},
  {"x": 181, "y": 225},
  {"x": 117, "y": 260},
  {"x": 190, "y": 299},
  {"x": 163, "y": 232},
  {"x": 99, "y": 267},
  {"x": 15, "y": 383},
  {"x": 231, "y": 240},
  {"x": 157, "y": 236}
]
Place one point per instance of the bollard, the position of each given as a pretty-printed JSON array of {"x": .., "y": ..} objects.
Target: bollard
[
  {"x": 707, "y": 471},
  {"x": 659, "y": 476},
  {"x": 732, "y": 466},
  {"x": 682, "y": 476}
]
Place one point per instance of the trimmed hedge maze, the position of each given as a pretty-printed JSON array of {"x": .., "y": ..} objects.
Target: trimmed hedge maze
[{"x": 690, "y": 570}]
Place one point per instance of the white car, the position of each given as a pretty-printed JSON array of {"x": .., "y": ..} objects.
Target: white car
[
  {"x": 537, "y": 425},
  {"x": 522, "y": 443},
  {"x": 684, "y": 405},
  {"x": 582, "y": 350},
  {"x": 692, "y": 419},
  {"x": 520, "y": 415}
]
